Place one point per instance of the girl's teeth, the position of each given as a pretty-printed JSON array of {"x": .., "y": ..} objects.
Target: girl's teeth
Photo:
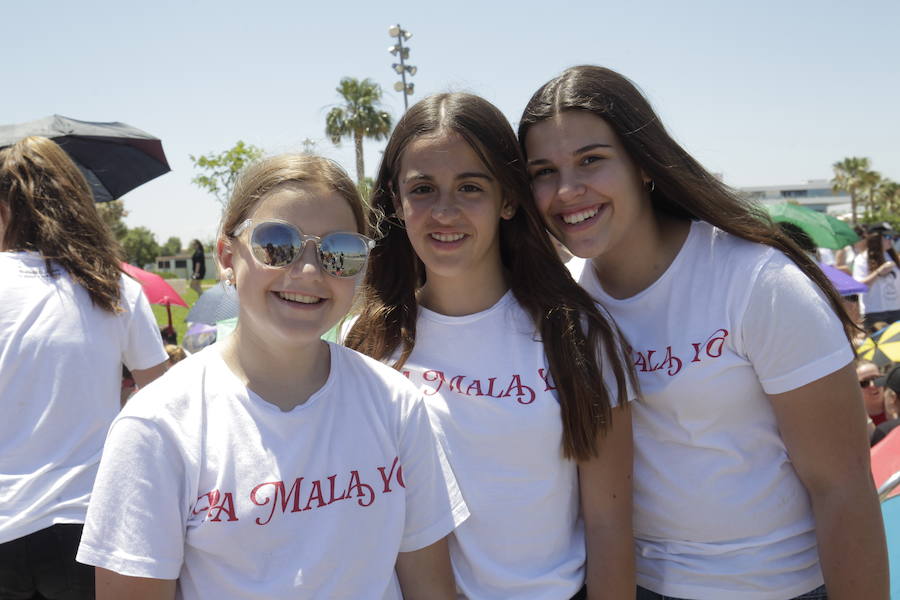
[
  {"x": 448, "y": 237},
  {"x": 299, "y": 298},
  {"x": 579, "y": 216}
]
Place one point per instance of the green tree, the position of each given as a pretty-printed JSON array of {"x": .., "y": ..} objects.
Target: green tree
[
  {"x": 868, "y": 182},
  {"x": 113, "y": 214},
  {"x": 219, "y": 171},
  {"x": 888, "y": 196},
  {"x": 171, "y": 247},
  {"x": 140, "y": 246},
  {"x": 360, "y": 117},
  {"x": 847, "y": 174}
]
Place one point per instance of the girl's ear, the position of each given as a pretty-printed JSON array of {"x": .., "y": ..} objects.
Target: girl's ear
[
  {"x": 224, "y": 254},
  {"x": 507, "y": 210}
]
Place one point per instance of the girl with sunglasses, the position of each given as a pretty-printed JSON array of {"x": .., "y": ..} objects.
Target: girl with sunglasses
[
  {"x": 273, "y": 464},
  {"x": 466, "y": 295},
  {"x": 750, "y": 478}
]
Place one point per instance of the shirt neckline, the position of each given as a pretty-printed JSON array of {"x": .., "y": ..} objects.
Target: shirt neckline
[
  {"x": 690, "y": 240},
  {"x": 437, "y": 317},
  {"x": 248, "y": 395}
]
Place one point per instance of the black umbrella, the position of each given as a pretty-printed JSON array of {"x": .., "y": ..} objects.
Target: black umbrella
[{"x": 114, "y": 157}]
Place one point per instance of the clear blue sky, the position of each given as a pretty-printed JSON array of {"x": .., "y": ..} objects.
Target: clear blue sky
[{"x": 764, "y": 92}]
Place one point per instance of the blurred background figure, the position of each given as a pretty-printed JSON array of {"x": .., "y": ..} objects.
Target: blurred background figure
[
  {"x": 871, "y": 382},
  {"x": 176, "y": 353},
  {"x": 877, "y": 267},
  {"x": 198, "y": 266},
  {"x": 890, "y": 383},
  {"x": 69, "y": 320},
  {"x": 843, "y": 258}
]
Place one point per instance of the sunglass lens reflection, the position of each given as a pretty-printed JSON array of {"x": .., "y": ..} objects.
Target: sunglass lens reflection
[
  {"x": 274, "y": 244},
  {"x": 343, "y": 254}
]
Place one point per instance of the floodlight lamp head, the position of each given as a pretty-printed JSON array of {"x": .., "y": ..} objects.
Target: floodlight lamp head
[
  {"x": 405, "y": 52},
  {"x": 406, "y": 34},
  {"x": 397, "y": 67},
  {"x": 394, "y": 49},
  {"x": 409, "y": 88},
  {"x": 411, "y": 70},
  {"x": 394, "y": 30},
  {"x": 398, "y": 86}
]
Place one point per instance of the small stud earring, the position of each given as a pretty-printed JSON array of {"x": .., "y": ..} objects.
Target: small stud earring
[
  {"x": 650, "y": 185},
  {"x": 229, "y": 276}
]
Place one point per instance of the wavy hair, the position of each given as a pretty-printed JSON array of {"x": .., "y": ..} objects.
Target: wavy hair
[
  {"x": 51, "y": 211},
  {"x": 683, "y": 188},
  {"x": 568, "y": 322}
]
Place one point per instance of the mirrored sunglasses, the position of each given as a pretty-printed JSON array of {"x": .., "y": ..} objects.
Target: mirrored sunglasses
[
  {"x": 864, "y": 383},
  {"x": 278, "y": 244}
]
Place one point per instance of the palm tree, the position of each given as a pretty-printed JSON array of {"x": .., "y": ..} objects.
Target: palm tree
[
  {"x": 360, "y": 117},
  {"x": 868, "y": 182},
  {"x": 846, "y": 178},
  {"x": 888, "y": 196}
]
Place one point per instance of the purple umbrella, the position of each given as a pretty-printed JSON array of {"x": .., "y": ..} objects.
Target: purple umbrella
[{"x": 843, "y": 283}]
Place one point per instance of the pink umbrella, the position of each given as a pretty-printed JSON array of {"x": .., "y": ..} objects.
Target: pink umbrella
[{"x": 157, "y": 289}]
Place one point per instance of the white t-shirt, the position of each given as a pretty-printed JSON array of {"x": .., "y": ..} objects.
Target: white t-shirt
[
  {"x": 204, "y": 481},
  {"x": 60, "y": 379},
  {"x": 492, "y": 403},
  {"x": 884, "y": 291},
  {"x": 719, "y": 509}
]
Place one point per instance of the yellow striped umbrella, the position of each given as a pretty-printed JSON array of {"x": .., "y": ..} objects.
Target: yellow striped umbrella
[{"x": 882, "y": 347}]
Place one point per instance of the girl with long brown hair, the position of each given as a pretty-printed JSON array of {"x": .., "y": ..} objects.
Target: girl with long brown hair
[
  {"x": 465, "y": 294},
  {"x": 273, "y": 464},
  {"x": 69, "y": 320},
  {"x": 879, "y": 268},
  {"x": 751, "y": 464}
]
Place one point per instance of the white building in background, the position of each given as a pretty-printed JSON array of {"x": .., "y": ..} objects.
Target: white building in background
[{"x": 815, "y": 194}]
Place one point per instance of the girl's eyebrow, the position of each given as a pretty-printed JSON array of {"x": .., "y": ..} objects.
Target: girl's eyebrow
[
  {"x": 416, "y": 176},
  {"x": 588, "y": 148}
]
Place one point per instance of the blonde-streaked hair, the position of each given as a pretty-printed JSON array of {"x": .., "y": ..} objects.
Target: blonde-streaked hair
[
  {"x": 50, "y": 210},
  {"x": 266, "y": 175}
]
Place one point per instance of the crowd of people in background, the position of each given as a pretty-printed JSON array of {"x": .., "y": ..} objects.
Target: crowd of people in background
[{"x": 674, "y": 413}]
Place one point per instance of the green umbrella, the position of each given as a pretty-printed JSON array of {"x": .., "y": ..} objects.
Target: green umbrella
[{"x": 824, "y": 230}]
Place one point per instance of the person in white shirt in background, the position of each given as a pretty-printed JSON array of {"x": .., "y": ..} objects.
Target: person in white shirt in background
[
  {"x": 274, "y": 464},
  {"x": 69, "y": 319},
  {"x": 879, "y": 268},
  {"x": 751, "y": 461},
  {"x": 526, "y": 382}
]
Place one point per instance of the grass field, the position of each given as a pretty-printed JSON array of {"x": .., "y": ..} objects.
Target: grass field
[{"x": 179, "y": 312}]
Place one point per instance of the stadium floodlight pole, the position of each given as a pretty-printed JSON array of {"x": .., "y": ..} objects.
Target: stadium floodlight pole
[{"x": 402, "y": 68}]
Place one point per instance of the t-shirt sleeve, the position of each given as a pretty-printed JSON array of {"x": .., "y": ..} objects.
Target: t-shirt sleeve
[
  {"x": 790, "y": 332},
  {"x": 135, "y": 522},
  {"x": 434, "y": 504},
  {"x": 143, "y": 347}
]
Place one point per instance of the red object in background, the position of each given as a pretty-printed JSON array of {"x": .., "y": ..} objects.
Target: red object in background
[
  {"x": 886, "y": 459},
  {"x": 157, "y": 289}
]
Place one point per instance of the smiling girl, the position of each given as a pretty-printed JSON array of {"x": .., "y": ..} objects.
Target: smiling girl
[
  {"x": 273, "y": 464},
  {"x": 465, "y": 294},
  {"x": 751, "y": 462}
]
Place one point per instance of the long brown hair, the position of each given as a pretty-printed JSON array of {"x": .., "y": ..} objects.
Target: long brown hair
[
  {"x": 683, "y": 188},
  {"x": 51, "y": 211},
  {"x": 569, "y": 324},
  {"x": 875, "y": 251}
]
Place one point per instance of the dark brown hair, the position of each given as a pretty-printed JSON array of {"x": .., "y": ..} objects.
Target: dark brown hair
[
  {"x": 569, "y": 324},
  {"x": 875, "y": 250},
  {"x": 51, "y": 211},
  {"x": 683, "y": 188}
]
